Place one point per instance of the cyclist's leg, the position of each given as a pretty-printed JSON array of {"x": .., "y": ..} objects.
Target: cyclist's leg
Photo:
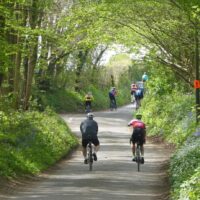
[
  {"x": 142, "y": 150},
  {"x": 131, "y": 96},
  {"x": 137, "y": 103},
  {"x": 96, "y": 147},
  {"x": 111, "y": 104},
  {"x": 133, "y": 141},
  {"x": 84, "y": 149},
  {"x": 141, "y": 141},
  {"x": 86, "y": 104},
  {"x": 133, "y": 149},
  {"x": 142, "y": 153},
  {"x": 90, "y": 104},
  {"x": 114, "y": 104}
]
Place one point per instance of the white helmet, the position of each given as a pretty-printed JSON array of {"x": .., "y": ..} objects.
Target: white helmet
[{"x": 90, "y": 115}]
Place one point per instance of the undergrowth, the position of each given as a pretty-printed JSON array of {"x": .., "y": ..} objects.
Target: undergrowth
[{"x": 31, "y": 141}]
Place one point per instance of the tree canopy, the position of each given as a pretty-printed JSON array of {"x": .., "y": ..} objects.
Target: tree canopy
[{"x": 46, "y": 42}]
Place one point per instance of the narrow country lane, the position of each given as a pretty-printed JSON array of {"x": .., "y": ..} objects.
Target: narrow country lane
[{"x": 114, "y": 176}]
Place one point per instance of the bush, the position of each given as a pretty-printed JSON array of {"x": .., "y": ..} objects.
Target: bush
[
  {"x": 184, "y": 169},
  {"x": 169, "y": 116},
  {"x": 32, "y": 141},
  {"x": 190, "y": 188},
  {"x": 168, "y": 112},
  {"x": 60, "y": 100}
]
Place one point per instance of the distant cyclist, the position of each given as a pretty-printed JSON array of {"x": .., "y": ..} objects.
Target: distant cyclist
[
  {"x": 133, "y": 90},
  {"x": 88, "y": 100},
  {"x": 138, "y": 97},
  {"x": 145, "y": 77},
  {"x": 112, "y": 93},
  {"x": 138, "y": 135},
  {"x": 89, "y": 130}
]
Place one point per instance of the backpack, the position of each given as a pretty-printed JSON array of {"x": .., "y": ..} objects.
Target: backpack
[{"x": 138, "y": 93}]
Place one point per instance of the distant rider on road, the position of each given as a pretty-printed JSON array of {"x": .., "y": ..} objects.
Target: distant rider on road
[
  {"x": 88, "y": 100},
  {"x": 112, "y": 93}
]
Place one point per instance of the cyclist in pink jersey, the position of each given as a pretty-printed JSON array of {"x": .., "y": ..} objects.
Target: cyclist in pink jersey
[{"x": 138, "y": 135}]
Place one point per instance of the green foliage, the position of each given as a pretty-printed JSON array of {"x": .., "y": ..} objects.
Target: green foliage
[
  {"x": 169, "y": 116},
  {"x": 166, "y": 27},
  {"x": 60, "y": 100},
  {"x": 67, "y": 101},
  {"x": 185, "y": 171},
  {"x": 190, "y": 188},
  {"x": 32, "y": 141},
  {"x": 168, "y": 111}
]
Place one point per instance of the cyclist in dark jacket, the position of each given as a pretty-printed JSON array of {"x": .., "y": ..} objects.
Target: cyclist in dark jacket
[{"x": 89, "y": 130}]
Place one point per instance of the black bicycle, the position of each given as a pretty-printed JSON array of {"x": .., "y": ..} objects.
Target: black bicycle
[
  {"x": 90, "y": 155},
  {"x": 138, "y": 158}
]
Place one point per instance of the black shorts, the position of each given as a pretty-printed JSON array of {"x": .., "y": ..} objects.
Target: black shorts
[
  {"x": 94, "y": 141},
  {"x": 138, "y": 136}
]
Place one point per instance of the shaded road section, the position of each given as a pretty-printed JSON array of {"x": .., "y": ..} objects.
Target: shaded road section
[{"x": 114, "y": 175}]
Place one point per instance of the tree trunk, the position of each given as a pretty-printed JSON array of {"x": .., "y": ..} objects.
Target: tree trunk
[
  {"x": 17, "y": 77},
  {"x": 2, "y": 49},
  {"x": 35, "y": 19},
  {"x": 82, "y": 57},
  {"x": 31, "y": 66}
]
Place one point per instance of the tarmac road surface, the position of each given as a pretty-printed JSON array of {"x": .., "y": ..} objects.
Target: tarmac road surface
[{"x": 114, "y": 175}]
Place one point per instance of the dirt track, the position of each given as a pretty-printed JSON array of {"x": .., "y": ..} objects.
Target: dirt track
[{"x": 114, "y": 176}]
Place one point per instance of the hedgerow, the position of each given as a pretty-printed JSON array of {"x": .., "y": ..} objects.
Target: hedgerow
[
  {"x": 168, "y": 110},
  {"x": 185, "y": 170},
  {"x": 31, "y": 141}
]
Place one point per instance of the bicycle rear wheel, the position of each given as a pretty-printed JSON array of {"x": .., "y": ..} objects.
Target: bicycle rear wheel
[
  {"x": 138, "y": 164},
  {"x": 138, "y": 158},
  {"x": 90, "y": 158}
]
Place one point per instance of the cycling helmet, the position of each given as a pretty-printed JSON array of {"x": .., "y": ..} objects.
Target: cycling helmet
[
  {"x": 90, "y": 115},
  {"x": 138, "y": 116}
]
